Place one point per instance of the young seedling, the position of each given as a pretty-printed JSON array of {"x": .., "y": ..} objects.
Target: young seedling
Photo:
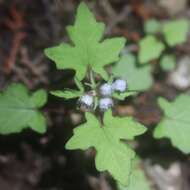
[{"x": 88, "y": 57}]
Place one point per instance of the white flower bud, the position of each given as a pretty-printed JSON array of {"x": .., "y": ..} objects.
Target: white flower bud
[
  {"x": 119, "y": 85},
  {"x": 105, "y": 103},
  {"x": 106, "y": 89},
  {"x": 87, "y": 100}
]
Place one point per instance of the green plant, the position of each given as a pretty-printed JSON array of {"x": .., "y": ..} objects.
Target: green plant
[
  {"x": 175, "y": 124},
  {"x": 87, "y": 52},
  {"x": 127, "y": 69},
  {"x": 138, "y": 179},
  {"x": 99, "y": 83},
  {"x": 19, "y": 109},
  {"x": 160, "y": 37},
  {"x": 88, "y": 57},
  {"x": 150, "y": 48}
]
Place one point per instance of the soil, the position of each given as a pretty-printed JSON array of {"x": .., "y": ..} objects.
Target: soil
[{"x": 29, "y": 161}]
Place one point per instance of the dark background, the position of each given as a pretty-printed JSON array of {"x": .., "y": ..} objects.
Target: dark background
[{"x": 29, "y": 161}]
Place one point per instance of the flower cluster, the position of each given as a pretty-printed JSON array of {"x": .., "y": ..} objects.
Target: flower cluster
[{"x": 104, "y": 92}]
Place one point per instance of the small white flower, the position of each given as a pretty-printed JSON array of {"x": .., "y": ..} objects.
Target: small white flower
[
  {"x": 119, "y": 85},
  {"x": 105, "y": 103},
  {"x": 87, "y": 100},
  {"x": 106, "y": 89}
]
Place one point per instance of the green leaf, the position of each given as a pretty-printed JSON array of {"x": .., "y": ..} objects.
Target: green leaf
[
  {"x": 175, "y": 32},
  {"x": 113, "y": 155},
  {"x": 18, "y": 110},
  {"x": 122, "y": 96},
  {"x": 152, "y": 26},
  {"x": 39, "y": 98},
  {"x": 87, "y": 50},
  {"x": 137, "y": 180},
  {"x": 70, "y": 93},
  {"x": 67, "y": 94},
  {"x": 168, "y": 62},
  {"x": 149, "y": 48},
  {"x": 138, "y": 78},
  {"x": 176, "y": 123}
]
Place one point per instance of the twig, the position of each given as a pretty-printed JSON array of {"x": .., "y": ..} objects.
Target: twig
[
  {"x": 50, "y": 15},
  {"x": 108, "y": 8},
  {"x": 15, "y": 24},
  {"x": 32, "y": 65},
  {"x": 116, "y": 20},
  {"x": 141, "y": 10},
  {"x": 21, "y": 76},
  {"x": 11, "y": 60},
  {"x": 17, "y": 20}
]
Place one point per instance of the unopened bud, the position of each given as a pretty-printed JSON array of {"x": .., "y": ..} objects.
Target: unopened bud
[
  {"x": 119, "y": 85},
  {"x": 105, "y": 104},
  {"x": 106, "y": 89}
]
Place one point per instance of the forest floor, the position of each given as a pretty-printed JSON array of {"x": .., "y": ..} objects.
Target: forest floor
[{"x": 29, "y": 161}]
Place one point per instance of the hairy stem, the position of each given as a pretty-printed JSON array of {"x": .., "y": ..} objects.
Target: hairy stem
[{"x": 92, "y": 79}]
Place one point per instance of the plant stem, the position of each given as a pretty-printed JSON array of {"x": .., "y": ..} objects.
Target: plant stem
[{"x": 92, "y": 79}]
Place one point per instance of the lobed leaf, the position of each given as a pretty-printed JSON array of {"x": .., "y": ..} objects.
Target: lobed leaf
[
  {"x": 176, "y": 122},
  {"x": 149, "y": 48},
  {"x": 87, "y": 50},
  {"x": 138, "y": 78},
  {"x": 138, "y": 179},
  {"x": 175, "y": 32},
  {"x": 19, "y": 110},
  {"x": 113, "y": 155}
]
